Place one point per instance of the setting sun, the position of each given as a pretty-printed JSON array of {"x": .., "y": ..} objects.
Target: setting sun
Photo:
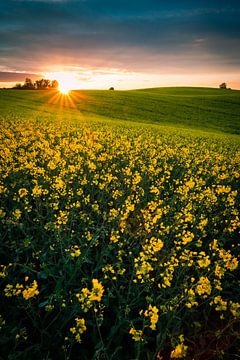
[
  {"x": 67, "y": 81},
  {"x": 64, "y": 89}
]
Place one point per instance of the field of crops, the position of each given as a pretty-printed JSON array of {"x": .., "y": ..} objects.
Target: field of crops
[{"x": 119, "y": 239}]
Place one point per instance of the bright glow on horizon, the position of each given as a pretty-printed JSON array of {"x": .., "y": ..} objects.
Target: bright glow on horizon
[
  {"x": 63, "y": 89},
  {"x": 123, "y": 80},
  {"x": 104, "y": 78},
  {"x": 67, "y": 81}
]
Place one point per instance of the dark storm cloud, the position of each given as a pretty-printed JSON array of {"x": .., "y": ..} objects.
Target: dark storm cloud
[
  {"x": 136, "y": 35},
  {"x": 14, "y": 76}
]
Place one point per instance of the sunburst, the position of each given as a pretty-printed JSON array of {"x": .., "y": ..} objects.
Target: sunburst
[{"x": 67, "y": 81}]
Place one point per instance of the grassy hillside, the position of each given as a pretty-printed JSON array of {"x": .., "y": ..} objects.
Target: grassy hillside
[{"x": 200, "y": 108}]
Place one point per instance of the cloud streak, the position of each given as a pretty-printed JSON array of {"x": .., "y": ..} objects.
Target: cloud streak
[{"x": 6, "y": 76}]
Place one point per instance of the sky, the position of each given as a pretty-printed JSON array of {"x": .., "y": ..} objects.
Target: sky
[{"x": 126, "y": 44}]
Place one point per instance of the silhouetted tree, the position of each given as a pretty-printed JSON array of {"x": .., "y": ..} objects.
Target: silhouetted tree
[
  {"x": 54, "y": 84},
  {"x": 42, "y": 84},
  {"x": 46, "y": 83},
  {"x": 223, "y": 86},
  {"x": 18, "y": 86},
  {"x": 111, "y": 88},
  {"x": 38, "y": 84},
  {"x": 28, "y": 84}
]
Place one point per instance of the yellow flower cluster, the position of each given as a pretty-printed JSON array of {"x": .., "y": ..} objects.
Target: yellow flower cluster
[
  {"x": 191, "y": 298},
  {"x": 137, "y": 335},
  {"x": 87, "y": 297},
  {"x": 74, "y": 251},
  {"x": 152, "y": 211},
  {"x": 28, "y": 292},
  {"x": 3, "y": 271},
  {"x": 147, "y": 255},
  {"x": 152, "y": 313},
  {"x": 180, "y": 350},
  {"x": 11, "y": 290},
  {"x": 203, "y": 287},
  {"x": 78, "y": 329}
]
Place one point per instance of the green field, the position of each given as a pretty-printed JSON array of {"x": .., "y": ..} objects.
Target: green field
[
  {"x": 119, "y": 223},
  {"x": 200, "y": 108}
]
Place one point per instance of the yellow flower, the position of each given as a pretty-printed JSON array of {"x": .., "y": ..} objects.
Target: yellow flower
[
  {"x": 31, "y": 291},
  {"x": 114, "y": 237},
  {"x": 83, "y": 298},
  {"x": 191, "y": 298},
  {"x": 2, "y": 213},
  {"x": 75, "y": 251},
  {"x": 137, "y": 335},
  {"x": 18, "y": 289},
  {"x": 17, "y": 214},
  {"x": 49, "y": 307},
  {"x": 190, "y": 184},
  {"x": 78, "y": 329},
  {"x": 232, "y": 264},
  {"x": 179, "y": 352},
  {"x": 152, "y": 313},
  {"x": 136, "y": 178},
  {"x": 235, "y": 309},
  {"x": 87, "y": 297},
  {"x": 3, "y": 271},
  {"x": 204, "y": 262},
  {"x": 204, "y": 286},
  {"x": 37, "y": 190},
  {"x": 97, "y": 291},
  {"x": 22, "y": 192},
  {"x": 9, "y": 290},
  {"x": 187, "y": 237},
  {"x": 220, "y": 304}
]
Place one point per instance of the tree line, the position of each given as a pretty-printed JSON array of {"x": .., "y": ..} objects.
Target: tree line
[{"x": 42, "y": 84}]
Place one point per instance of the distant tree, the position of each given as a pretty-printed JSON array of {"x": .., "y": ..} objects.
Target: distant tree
[
  {"x": 28, "y": 84},
  {"x": 223, "y": 86},
  {"x": 42, "y": 84},
  {"x": 54, "y": 84},
  {"x": 111, "y": 88},
  {"x": 18, "y": 86},
  {"x": 38, "y": 84},
  {"x": 46, "y": 83}
]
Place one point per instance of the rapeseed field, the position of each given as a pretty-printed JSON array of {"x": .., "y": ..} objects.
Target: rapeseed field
[{"x": 119, "y": 241}]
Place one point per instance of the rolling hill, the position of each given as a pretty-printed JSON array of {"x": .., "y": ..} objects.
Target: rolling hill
[{"x": 208, "y": 109}]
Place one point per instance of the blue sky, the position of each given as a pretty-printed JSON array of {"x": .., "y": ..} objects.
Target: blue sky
[{"x": 190, "y": 41}]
